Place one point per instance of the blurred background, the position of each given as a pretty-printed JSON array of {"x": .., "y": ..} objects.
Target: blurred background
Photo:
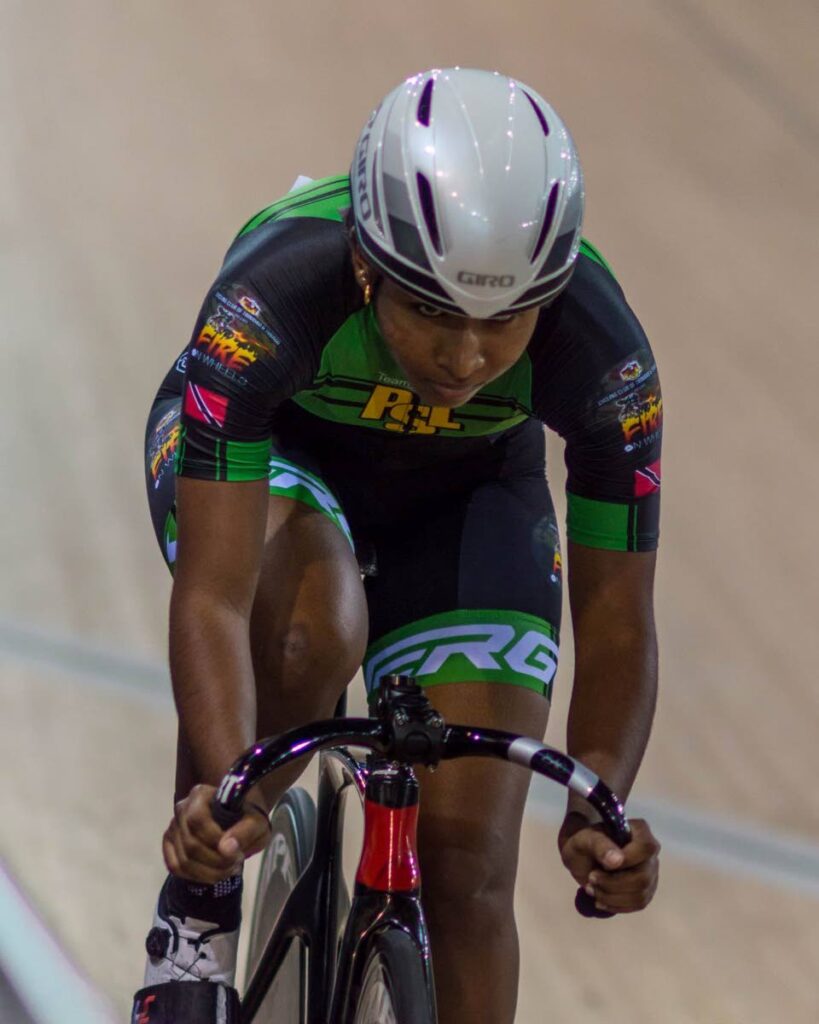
[{"x": 135, "y": 139}]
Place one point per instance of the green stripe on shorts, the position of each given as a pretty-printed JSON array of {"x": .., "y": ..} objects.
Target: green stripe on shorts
[
  {"x": 469, "y": 645},
  {"x": 288, "y": 480}
]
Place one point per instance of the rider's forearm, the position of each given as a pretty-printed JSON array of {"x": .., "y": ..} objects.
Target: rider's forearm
[
  {"x": 613, "y": 702},
  {"x": 213, "y": 680}
]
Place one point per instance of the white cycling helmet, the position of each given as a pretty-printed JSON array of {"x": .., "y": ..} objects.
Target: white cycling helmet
[{"x": 467, "y": 191}]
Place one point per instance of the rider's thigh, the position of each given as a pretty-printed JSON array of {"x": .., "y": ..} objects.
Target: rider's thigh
[
  {"x": 309, "y": 624},
  {"x": 471, "y": 809}
]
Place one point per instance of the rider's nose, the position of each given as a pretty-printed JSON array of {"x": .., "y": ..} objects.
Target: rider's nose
[{"x": 463, "y": 357}]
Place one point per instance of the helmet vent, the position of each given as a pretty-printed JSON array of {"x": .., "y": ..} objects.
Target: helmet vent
[
  {"x": 544, "y": 124},
  {"x": 425, "y": 103},
  {"x": 376, "y": 204},
  {"x": 428, "y": 210},
  {"x": 548, "y": 218}
]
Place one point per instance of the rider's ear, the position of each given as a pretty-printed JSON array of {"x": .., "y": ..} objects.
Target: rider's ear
[{"x": 365, "y": 272}]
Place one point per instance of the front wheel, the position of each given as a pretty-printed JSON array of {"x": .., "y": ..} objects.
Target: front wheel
[
  {"x": 293, "y": 831},
  {"x": 395, "y": 987}
]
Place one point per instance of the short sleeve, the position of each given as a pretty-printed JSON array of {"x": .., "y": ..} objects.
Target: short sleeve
[{"x": 597, "y": 384}]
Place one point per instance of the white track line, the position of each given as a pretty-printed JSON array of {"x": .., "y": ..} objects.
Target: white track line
[
  {"x": 106, "y": 668},
  {"x": 41, "y": 975},
  {"x": 708, "y": 839}
]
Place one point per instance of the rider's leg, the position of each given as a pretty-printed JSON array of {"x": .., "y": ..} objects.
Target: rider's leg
[
  {"x": 308, "y": 629},
  {"x": 469, "y": 829},
  {"x": 468, "y": 598}
]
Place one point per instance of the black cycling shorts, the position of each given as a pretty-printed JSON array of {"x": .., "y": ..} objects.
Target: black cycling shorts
[{"x": 461, "y": 558}]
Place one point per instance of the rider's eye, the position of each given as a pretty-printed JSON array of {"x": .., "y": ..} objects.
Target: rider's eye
[{"x": 428, "y": 311}]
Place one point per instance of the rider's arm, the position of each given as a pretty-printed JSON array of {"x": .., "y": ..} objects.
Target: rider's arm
[
  {"x": 253, "y": 347},
  {"x": 221, "y": 535},
  {"x": 595, "y": 382},
  {"x": 613, "y": 699},
  {"x": 615, "y": 681}
]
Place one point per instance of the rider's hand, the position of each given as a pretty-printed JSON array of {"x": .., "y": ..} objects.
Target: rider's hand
[
  {"x": 620, "y": 880},
  {"x": 196, "y": 848}
]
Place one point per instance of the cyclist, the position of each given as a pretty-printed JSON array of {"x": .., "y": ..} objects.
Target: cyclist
[{"x": 364, "y": 392}]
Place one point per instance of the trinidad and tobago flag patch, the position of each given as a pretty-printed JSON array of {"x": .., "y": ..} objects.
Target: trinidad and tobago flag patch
[
  {"x": 205, "y": 405},
  {"x": 647, "y": 480}
]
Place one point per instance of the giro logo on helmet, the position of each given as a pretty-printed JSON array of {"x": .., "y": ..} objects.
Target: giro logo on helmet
[
  {"x": 486, "y": 280},
  {"x": 365, "y": 207},
  {"x": 363, "y": 198}
]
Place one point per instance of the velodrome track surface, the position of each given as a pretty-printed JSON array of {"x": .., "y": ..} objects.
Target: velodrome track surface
[{"x": 135, "y": 140}]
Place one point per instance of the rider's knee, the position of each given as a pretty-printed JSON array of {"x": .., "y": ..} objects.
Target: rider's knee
[
  {"x": 306, "y": 652},
  {"x": 469, "y": 877}
]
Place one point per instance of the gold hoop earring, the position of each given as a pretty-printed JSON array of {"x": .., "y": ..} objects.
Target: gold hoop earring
[{"x": 368, "y": 293}]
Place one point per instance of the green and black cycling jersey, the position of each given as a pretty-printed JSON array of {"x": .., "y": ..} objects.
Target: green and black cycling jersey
[{"x": 284, "y": 343}]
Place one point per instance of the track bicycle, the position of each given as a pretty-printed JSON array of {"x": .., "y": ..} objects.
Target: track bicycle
[{"x": 316, "y": 955}]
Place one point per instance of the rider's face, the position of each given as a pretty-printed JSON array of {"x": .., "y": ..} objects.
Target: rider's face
[{"x": 446, "y": 358}]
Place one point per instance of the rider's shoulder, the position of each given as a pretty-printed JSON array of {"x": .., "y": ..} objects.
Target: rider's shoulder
[
  {"x": 305, "y": 224},
  {"x": 594, "y": 282},
  {"x": 590, "y": 334},
  {"x": 595, "y": 308}
]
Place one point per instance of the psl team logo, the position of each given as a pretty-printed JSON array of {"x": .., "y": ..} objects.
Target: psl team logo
[
  {"x": 397, "y": 409},
  {"x": 229, "y": 347},
  {"x": 640, "y": 417}
]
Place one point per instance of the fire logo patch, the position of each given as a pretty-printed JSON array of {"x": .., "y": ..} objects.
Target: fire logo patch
[
  {"x": 230, "y": 348},
  {"x": 641, "y": 416},
  {"x": 162, "y": 455}
]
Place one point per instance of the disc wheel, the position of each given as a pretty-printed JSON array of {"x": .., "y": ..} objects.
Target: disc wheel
[
  {"x": 293, "y": 831},
  {"x": 394, "y": 987}
]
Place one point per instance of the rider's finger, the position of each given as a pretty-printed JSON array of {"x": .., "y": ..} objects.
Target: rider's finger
[
  {"x": 180, "y": 865},
  {"x": 644, "y": 846},
  {"x": 198, "y": 812},
  {"x": 169, "y": 855},
  {"x": 245, "y": 837},
  {"x": 620, "y": 883},
  {"x": 626, "y": 903},
  {"x": 202, "y": 825},
  {"x": 598, "y": 848},
  {"x": 194, "y": 848}
]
